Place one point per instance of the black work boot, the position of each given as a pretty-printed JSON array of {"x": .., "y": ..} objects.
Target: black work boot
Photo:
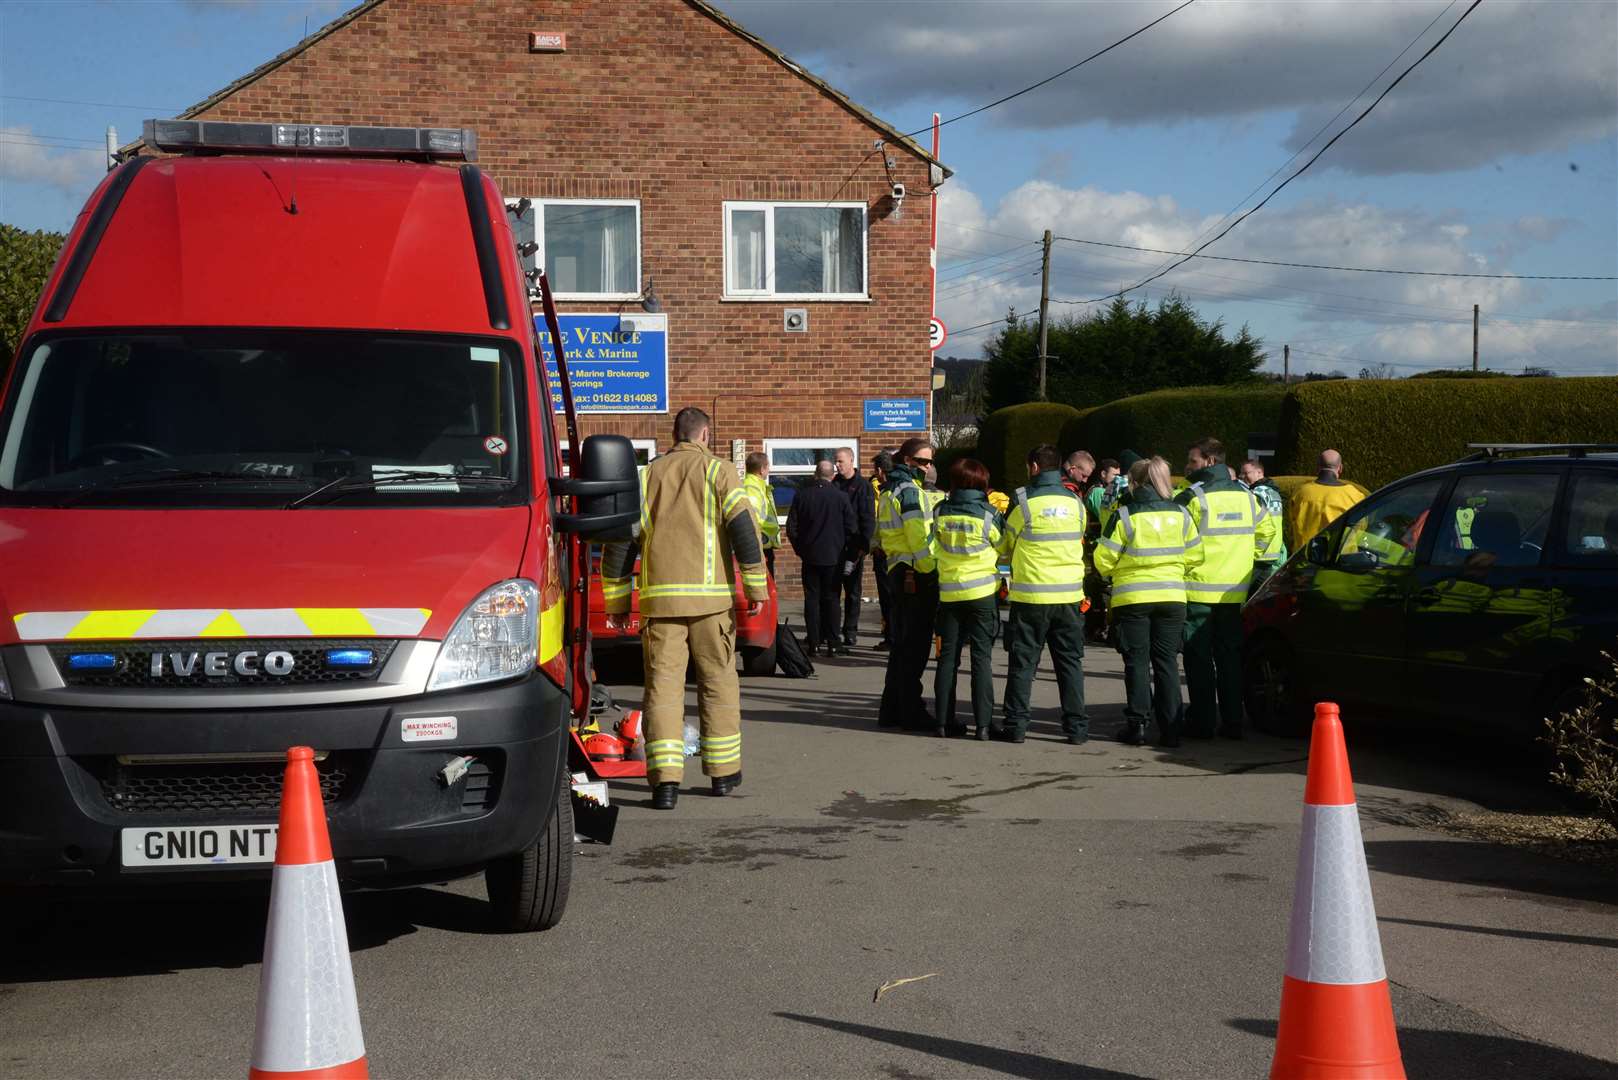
[
  {"x": 724, "y": 785},
  {"x": 1134, "y": 734},
  {"x": 664, "y": 796}
]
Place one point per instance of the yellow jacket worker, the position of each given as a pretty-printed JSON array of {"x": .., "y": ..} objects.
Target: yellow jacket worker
[
  {"x": 1147, "y": 548},
  {"x": 694, "y": 518},
  {"x": 1235, "y": 528},
  {"x": 1319, "y": 502}
]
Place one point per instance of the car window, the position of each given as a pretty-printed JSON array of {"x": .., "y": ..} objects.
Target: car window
[
  {"x": 1386, "y": 532},
  {"x": 1495, "y": 519},
  {"x": 1590, "y": 536}
]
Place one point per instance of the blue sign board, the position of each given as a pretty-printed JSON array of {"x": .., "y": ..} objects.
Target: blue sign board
[
  {"x": 896, "y": 414},
  {"x": 618, "y": 364}
]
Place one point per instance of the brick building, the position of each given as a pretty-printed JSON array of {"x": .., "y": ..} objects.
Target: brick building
[{"x": 672, "y": 163}]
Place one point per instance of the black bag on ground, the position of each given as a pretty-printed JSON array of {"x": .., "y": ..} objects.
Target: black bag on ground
[{"x": 789, "y": 655}]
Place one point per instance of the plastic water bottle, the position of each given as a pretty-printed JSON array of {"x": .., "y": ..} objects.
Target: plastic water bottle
[{"x": 693, "y": 740}]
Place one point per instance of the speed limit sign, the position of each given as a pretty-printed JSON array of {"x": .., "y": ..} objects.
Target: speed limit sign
[{"x": 939, "y": 334}]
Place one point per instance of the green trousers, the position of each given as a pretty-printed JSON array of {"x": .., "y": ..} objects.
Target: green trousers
[
  {"x": 1213, "y": 668},
  {"x": 1149, "y": 636},
  {"x": 1032, "y": 627},
  {"x": 965, "y": 622}
]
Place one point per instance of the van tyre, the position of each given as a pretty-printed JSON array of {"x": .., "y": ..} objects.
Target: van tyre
[
  {"x": 1270, "y": 691},
  {"x": 758, "y": 659},
  {"x": 528, "y": 891}
]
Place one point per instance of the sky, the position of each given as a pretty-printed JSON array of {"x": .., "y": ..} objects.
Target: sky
[{"x": 1497, "y": 155}]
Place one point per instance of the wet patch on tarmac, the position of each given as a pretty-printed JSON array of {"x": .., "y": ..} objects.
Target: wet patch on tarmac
[
  {"x": 1235, "y": 834},
  {"x": 644, "y": 878},
  {"x": 1236, "y": 877},
  {"x": 1124, "y": 905},
  {"x": 857, "y": 807}
]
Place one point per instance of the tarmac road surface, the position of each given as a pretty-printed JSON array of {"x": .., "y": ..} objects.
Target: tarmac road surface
[{"x": 1096, "y": 911}]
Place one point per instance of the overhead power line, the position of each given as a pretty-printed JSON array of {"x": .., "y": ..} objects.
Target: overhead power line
[
  {"x": 1324, "y": 127},
  {"x": 96, "y": 104},
  {"x": 48, "y": 146},
  {"x": 1197, "y": 254},
  {"x": 1052, "y": 78},
  {"x": 1300, "y": 170}
]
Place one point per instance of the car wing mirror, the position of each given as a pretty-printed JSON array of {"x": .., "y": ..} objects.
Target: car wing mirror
[
  {"x": 1358, "y": 562},
  {"x": 606, "y": 485},
  {"x": 1319, "y": 550}
]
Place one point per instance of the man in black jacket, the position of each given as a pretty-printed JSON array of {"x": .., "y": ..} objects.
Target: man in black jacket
[
  {"x": 820, "y": 522},
  {"x": 852, "y": 565}
]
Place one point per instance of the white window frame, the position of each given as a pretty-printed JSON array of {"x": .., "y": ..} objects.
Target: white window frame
[
  {"x": 833, "y": 444},
  {"x": 539, "y": 206},
  {"x": 768, "y": 293},
  {"x": 648, "y": 445}
]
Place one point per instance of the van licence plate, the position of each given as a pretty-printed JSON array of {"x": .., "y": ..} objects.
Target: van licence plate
[{"x": 199, "y": 845}]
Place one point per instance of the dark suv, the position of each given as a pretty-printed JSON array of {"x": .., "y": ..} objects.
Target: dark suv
[{"x": 1482, "y": 591}]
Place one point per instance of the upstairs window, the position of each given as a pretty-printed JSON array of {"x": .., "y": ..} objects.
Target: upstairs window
[
  {"x": 590, "y": 248},
  {"x": 795, "y": 251}
]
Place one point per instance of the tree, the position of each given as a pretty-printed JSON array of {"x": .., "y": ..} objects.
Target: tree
[
  {"x": 1379, "y": 370},
  {"x": 1121, "y": 350},
  {"x": 955, "y": 408},
  {"x": 26, "y": 259}
]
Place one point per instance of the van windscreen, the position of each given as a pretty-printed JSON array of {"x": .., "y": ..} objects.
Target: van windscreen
[{"x": 260, "y": 418}]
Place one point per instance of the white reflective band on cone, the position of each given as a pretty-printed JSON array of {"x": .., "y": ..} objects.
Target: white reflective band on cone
[
  {"x": 1334, "y": 937},
  {"x": 308, "y": 1016}
]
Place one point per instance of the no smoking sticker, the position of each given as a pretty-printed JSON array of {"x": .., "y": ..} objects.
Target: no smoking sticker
[{"x": 495, "y": 445}]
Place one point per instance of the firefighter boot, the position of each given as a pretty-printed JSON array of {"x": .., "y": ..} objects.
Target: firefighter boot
[{"x": 664, "y": 796}]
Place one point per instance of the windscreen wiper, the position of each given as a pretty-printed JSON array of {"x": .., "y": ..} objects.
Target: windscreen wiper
[
  {"x": 353, "y": 482},
  {"x": 162, "y": 478}
]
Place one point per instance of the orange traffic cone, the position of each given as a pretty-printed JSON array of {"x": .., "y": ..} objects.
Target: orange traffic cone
[
  {"x": 1336, "y": 1014},
  {"x": 308, "y": 1018}
]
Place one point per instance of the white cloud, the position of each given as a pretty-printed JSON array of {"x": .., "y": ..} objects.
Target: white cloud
[
  {"x": 1515, "y": 78},
  {"x": 26, "y": 161},
  {"x": 1404, "y": 320}
]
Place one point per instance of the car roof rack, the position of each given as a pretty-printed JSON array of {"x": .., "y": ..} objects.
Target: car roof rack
[{"x": 1489, "y": 451}]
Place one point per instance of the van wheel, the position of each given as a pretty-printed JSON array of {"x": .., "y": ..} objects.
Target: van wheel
[
  {"x": 1269, "y": 689},
  {"x": 758, "y": 659},
  {"x": 528, "y": 891}
]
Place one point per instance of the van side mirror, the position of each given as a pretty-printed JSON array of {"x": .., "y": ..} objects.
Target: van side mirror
[{"x": 607, "y": 483}]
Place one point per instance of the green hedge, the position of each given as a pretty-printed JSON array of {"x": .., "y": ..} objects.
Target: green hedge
[
  {"x": 1006, "y": 435},
  {"x": 1167, "y": 422},
  {"x": 1386, "y": 429}
]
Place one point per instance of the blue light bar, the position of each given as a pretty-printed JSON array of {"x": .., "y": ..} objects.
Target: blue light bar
[
  {"x": 92, "y": 661},
  {"x": 454, "y": 144},
  {"x": 350, "y": 658}
]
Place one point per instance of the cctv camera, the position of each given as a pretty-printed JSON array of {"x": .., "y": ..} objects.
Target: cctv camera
[{"x": 898, "y": 191}]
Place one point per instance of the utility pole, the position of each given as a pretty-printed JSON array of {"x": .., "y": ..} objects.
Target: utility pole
[
  {"x": 1474, "y": 337},
  {"x": 1044, "y": 309},
  {"x": 112, "y": 148},
  {"x": 1286, "y": 364}
]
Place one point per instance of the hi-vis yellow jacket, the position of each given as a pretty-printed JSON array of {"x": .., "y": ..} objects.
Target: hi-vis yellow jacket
[
  {"x": 1147, "y": 548},
  {"x": 694, "y": 517},
  {"x": 904, "y": 522},
  {"x": 1235, "y": 528},
  {"x": 762, "y": 496},
  {"x": 1044, "y": 542},
  {"x": 966, "y": 539}
]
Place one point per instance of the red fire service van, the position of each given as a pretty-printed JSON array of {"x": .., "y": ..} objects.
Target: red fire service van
[{"x": 277, "y": 467}]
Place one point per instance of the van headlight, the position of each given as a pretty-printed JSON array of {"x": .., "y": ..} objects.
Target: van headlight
[
  {"x": 497, "y": 637},
  {"x": 5, "y": 683}
]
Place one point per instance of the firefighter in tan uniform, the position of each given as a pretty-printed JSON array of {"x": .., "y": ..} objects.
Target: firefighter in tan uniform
[{"x": 695, "y": 515}]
